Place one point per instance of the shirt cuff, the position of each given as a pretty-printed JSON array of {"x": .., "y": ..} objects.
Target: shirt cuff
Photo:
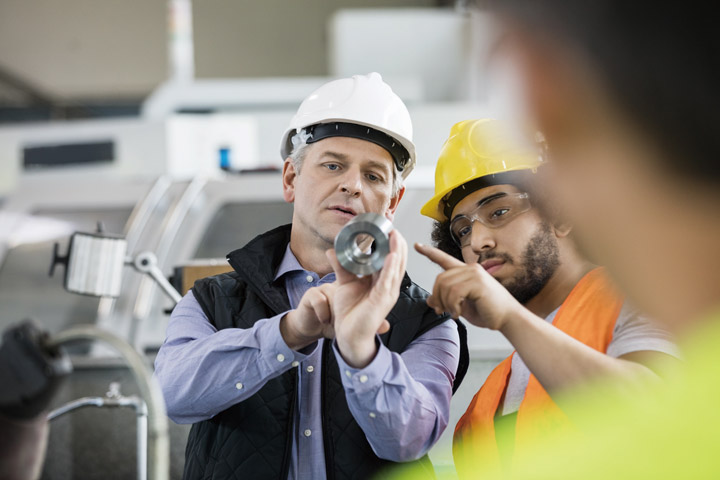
[
  {"x": 363, "y": 380},
  {"x": 274, "y": 352}
]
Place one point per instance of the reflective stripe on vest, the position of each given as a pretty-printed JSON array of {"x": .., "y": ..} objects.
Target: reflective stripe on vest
[{"x": 588, "y": 314}]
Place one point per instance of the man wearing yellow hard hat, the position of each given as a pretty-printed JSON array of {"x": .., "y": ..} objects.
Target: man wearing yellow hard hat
[{"x": 520, "y": 274}]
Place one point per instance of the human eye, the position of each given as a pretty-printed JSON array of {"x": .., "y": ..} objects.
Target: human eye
[
  {"x": 499, "y": 212},
  {"x": 332, "y": 166},
  {"x": 461, "y": 228},
  {"x": 464, "y": 231},
  {"x": 374, "y": 178}
]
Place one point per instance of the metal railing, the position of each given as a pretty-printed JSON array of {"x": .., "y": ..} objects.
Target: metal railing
[
  {"x": 158, "y": 447},
  {"x": 114, "y": 399}
]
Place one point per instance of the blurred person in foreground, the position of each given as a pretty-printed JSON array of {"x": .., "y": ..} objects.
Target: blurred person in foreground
[
  {"x": 523, "y": 277},
  {"x": 292, "y": 367},
  {"x": 626, "y": 94}
]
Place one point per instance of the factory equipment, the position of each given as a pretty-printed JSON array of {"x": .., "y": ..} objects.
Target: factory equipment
[
  {"x": 94, "y": 263},
  {"x": 32, "y": 367},
  {"x": 114, "y": 399}
]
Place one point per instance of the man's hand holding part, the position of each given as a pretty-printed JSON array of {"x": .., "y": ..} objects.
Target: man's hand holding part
[
  {"x": 311, "y": 320},
  {"x": 360, "y": 304}
]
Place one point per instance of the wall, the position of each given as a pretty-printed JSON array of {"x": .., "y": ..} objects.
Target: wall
[{"x": 117, "y": 48}]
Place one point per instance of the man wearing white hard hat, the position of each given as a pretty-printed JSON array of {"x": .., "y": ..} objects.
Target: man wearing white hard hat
[{"x": 292, "y": 367}]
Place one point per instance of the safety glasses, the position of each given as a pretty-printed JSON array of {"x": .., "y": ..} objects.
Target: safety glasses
[{"x": 494, "y": 213}]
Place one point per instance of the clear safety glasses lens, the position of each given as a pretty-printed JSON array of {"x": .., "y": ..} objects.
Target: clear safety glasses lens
[{"x": 495, "y": 213}]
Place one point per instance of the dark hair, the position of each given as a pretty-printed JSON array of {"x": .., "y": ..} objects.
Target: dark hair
[
  {"x": 659, "y": 62},
  {"x": 442, "y": 239}
]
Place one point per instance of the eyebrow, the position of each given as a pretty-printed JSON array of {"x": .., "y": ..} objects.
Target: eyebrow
[
  {"x": 490, "y": 198},
  {"x": 335, "y": 155},
  {"x": 380, "y": 165}
]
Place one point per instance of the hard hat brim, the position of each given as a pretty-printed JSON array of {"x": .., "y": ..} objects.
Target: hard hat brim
[
  {"x": 287, "y": 148},
  {"x": 434, "y": 208}
]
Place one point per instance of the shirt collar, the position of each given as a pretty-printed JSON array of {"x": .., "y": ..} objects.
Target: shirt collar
[{"x": 289, "y": 263}]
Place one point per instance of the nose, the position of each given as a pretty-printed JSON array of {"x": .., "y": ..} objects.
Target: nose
[
  {"x": 482, "y": 238},
  {"x": 351, "y": 182}
]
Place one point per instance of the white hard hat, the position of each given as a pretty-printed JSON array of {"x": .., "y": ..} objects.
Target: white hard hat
[{"x": 360, "y": 107}]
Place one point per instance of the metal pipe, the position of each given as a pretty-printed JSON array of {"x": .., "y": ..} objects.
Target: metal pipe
[
  {"x": 142, "y": 439},
  {"x": 158, "y": 448},
  {"x": 180, "y": 40},
  {"x": 74, "y": 405},
  {"x": 115, "y": 400}
]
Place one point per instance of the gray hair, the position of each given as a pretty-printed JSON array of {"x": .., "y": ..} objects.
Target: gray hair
[{"x": 300, "y": 151}]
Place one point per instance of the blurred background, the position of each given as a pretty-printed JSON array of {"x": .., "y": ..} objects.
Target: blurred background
[{"x": 160, "y": 121}]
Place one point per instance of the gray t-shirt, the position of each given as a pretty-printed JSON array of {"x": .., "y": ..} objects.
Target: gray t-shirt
[{"x": 633, "y": 332}]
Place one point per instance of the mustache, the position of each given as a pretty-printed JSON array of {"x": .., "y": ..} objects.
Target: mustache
[{"x": 501, "y": 256}]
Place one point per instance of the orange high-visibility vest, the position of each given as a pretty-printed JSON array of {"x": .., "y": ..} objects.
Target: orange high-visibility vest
[{"x": 588, "y": 314}]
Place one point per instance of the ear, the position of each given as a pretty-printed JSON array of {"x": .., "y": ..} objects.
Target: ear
[
  {"x": 289, "y": 175},
  {"x": 394, "y": 202},
  {"x": 562, "y": 229}
]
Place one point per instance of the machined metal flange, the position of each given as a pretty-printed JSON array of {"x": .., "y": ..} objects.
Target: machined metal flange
[{"x": 363, "y": 243}]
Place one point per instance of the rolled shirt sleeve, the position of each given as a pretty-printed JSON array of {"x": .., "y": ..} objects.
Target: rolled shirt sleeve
[
  {"x": 203, "y": 371},
  {"x": 402, "y": 401},
  {"x": 635, "y": 332}
]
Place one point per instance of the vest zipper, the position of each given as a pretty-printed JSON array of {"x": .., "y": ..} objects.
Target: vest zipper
[
  {"x": 290, "y": 428},
  {"x": 327, "y": 437}
]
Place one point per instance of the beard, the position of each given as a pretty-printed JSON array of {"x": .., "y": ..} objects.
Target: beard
[{"x": 539, "y": 262}]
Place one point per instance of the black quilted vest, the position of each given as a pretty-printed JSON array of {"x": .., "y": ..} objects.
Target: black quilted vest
[{"x": 253, "y": 439}]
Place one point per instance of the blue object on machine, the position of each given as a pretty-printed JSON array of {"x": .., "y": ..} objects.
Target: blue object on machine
[{"x": 224, "y": 157}]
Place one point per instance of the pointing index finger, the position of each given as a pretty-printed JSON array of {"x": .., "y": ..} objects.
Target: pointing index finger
[{"x": 438, "y": 257}]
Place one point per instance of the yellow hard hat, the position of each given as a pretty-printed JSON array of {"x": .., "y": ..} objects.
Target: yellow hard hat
[{"x": 475, "y": 149}]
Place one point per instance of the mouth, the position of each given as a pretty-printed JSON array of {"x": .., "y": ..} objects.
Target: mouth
[
  {"x": 492, "y": 265},
  {"x": 343, "y": 210}
]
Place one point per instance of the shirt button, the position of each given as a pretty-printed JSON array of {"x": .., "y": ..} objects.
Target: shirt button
[
  {"x": 347, "y": 372},
  {"x": 310, "y": 369},
  {"x": 372, "y": 414},
  {"x": 363, "y": 378},
  {"x": 239, "y": 386},
  {"x": 307, "y": 432},
  {"x": 309, "y": 278},
  {"x": 280, "y": 357},
  {"x": 295, "y": 363}
]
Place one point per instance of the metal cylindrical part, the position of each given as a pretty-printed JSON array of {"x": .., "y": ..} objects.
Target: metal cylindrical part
[{"x": 363, "y": 243}]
